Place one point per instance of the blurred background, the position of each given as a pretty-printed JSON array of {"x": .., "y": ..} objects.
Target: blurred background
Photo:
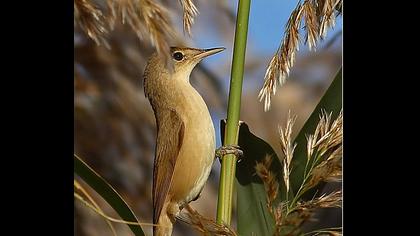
[{"x": 114, "y": 125}]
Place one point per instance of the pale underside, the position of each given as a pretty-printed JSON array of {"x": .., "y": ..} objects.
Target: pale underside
[{"x": 183, "y": 164}]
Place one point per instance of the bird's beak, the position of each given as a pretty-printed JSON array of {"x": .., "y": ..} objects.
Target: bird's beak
[{"x": 207, "y": 52}]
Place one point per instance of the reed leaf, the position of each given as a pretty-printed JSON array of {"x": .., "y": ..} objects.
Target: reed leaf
[
  {"x": 107, "y": 192},
  {"x": 253, "y": 216},
  {"x": 331, "y": 102}
]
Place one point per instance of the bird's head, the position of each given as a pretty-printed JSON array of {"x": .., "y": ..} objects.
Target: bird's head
[
  {"x": 184, "y": 60},
  {"x": 163, "y": 72}
]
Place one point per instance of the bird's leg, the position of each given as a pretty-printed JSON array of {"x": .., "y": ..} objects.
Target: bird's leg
[{"x": 229, "y": 149}]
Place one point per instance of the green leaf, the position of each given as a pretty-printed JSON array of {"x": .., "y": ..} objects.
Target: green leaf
[
  {"x": 330, "y": 102},
  {"x": 253, "y": 217},
  {"x": 107, "y": 192}
]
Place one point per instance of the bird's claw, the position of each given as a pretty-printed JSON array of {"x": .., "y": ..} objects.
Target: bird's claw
[{"x": 229, "y": 149}]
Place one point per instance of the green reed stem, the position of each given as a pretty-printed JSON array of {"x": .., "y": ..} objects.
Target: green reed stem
[{"x": 227, "y": 175}]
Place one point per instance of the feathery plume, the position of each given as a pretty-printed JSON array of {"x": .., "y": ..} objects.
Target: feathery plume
[
  {"x": 190, "y": 11},
  {"x": 270, "y": 83},
  {"x": 332, "y": 200},
  {"x": 147, "y": 18},
  {"x": 323, "y": 164},
  {"x": 328, "y": 171},
  {"x": 328, "y": 16},
  {"x": 283, "y": 60},
  {"x": 318, "y": 18},
  {"x": 287, "y": 148},
  {"x": 311, "y": 24},
  {"x": 91, "y": 20},
  {"x": 269, "y": 179},
  {"x": 326, "y": 142},
  {"x": 327, "y": 136}
]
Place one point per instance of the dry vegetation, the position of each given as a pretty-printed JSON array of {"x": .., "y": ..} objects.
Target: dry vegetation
[
  {"x": 319, "y": 16},
  {"x": 114, "y": 124},
  {"x": 324, "y": 159}
]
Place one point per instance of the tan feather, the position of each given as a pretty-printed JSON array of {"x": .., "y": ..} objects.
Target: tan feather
[{"x": 170, "y": 132}]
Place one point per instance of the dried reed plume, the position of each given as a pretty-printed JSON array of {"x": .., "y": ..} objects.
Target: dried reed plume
[
  {"x": 280, "y": 64},
  {"x": 311, "y": 24},
  {"x": 204, "y": 225},
  {"x": 332, "y": 200},
  {"x": 271, "y": 187},
  {"x": 326, "y": 142},
  {"x": 326, "y": 136},
  {"x": 287, "y": 148},
  {"x": 328, "y": 16},
  {"x": 323, "y": 164},
  {"x": 269, "y": 180},
  {"x": 324, "y": 151},
  {"x": 147, "y": 18},
  {"x": 190, "y": 11},
  {"x": 328, "y": 170},
  {"x": 90, "y": 19},
  {"x": 318, "y": 18}
]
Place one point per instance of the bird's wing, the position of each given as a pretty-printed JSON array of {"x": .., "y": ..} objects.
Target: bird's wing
[{"x": 169, "y": 141}]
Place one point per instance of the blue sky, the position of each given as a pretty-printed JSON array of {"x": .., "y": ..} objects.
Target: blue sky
[{"x": 266, "y": 27}]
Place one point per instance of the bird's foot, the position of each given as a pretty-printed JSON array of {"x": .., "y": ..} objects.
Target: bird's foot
[{"x": 229, "y": 149}]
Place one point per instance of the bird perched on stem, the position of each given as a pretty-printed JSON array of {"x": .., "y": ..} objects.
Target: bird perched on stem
[{"x": 185, "y": 147}]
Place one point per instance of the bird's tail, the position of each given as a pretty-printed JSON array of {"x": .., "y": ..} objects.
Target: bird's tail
[{"x": 165, "y": 225}]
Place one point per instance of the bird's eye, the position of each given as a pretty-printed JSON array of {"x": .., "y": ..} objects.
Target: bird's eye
[{"x": 178, "y": 56}]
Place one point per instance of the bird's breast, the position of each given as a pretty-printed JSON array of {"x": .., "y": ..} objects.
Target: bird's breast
[{"x": 197, "y": 151}]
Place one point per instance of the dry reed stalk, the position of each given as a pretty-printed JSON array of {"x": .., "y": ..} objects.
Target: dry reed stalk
[{"x": 78, "y": 186}]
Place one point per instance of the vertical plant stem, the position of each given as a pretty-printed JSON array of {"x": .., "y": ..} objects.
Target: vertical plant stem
[{"x": 227, "y": 175}]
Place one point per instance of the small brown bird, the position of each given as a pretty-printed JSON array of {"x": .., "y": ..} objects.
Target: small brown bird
[{"x": 185, "y": 147}]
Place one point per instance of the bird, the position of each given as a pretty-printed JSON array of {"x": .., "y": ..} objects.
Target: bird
[{"x": 185, "y": 141}]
